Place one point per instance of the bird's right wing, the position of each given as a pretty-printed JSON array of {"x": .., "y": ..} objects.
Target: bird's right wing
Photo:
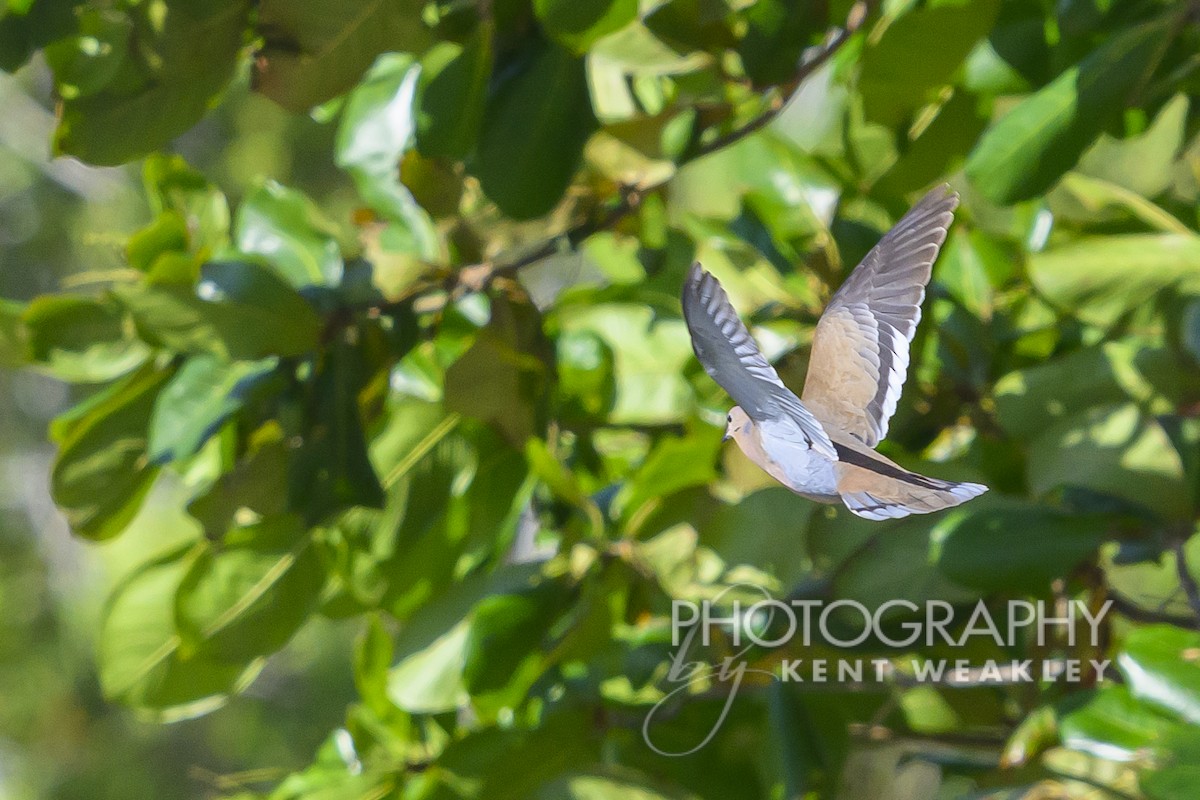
[
  {"x": 860, "y": 347},
  {"x": 730, "y": 356}
]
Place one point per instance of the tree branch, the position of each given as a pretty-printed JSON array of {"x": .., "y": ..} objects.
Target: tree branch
[
  {"x": 1131, "y": 610},
  {"x": 1186, "y": 580},
  {"x": 479, "y": 276}
]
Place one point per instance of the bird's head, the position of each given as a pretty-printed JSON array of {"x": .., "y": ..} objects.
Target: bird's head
[{"x": 737, "y": 422}]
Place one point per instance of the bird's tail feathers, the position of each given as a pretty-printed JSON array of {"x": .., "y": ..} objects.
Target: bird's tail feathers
[{"x": 892, "y": 498}]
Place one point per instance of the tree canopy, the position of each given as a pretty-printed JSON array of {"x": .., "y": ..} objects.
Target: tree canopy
[{"x": 400, "y": 352}]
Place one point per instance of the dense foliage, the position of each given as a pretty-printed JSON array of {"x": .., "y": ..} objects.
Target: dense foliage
[{"x": 465, "y": 414}]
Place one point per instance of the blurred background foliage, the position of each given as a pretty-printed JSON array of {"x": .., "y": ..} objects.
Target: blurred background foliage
[{"x": 354, "y": 447}]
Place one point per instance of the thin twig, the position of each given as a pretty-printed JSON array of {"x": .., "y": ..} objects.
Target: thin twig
[
  {"x": 476, "y": 277},
  {"x": 1131, "y": 610},
  {"x": 1186, "y": 580}
]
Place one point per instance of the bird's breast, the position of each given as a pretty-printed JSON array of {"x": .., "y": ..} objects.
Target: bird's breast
[{"x": 800, "y": 468}]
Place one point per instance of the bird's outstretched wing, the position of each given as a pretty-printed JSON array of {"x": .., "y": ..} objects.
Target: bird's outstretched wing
[
  {"x": 730, "y": 356},
  {"x": 860, "y": 347}
]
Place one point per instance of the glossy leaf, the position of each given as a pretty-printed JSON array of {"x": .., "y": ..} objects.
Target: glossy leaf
[
  {"x": 577, "y": 24},
  {"x": 1159, "y": 665},
  {"x": 896, "y": 80},
  {"x": 1113, "y": 450},
  {"x": 102, "y": 472},
  {"x": 1030, "y": 148},
  {"x": 376, "y": 131},
  {"x": 1102, "y": 278},
  {"x": 200, "y": 397},
  {"x": 533, "y": 134},
  {"x": 240, "y": 310},
  {"x": 284, "y": 227},
  {"x": 451, "y": 94},
  {"x": 332, "y": 471},
  {"x": 1018, "y": 547}
]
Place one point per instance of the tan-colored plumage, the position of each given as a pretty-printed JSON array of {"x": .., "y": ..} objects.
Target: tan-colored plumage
[{"x": 822, "y": 444}]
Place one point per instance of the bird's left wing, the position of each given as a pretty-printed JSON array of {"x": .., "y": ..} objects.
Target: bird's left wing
[
  {"x": 730, "y": 356},
  {"x": 860, "y": 347}
]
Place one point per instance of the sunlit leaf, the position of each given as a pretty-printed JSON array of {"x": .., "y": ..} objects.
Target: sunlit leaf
[
  {"x": 139, "y": 651},
  {"x": 246, "y": 597},
  {"x": 1030, "y": 148},
  {"x": 189, "y": 51},
  {"x": 103, "y": 472},
  {"x": 80, "y": 338},
  {"x": 201, "y": 396},
  {"x": 314, "y": 50},
  {"x": 284, "y": 226}
]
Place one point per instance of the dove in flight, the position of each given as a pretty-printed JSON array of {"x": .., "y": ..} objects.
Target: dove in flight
[{"x": 821, "y": 445}]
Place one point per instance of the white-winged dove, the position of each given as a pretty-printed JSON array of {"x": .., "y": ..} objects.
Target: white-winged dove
[{"x": 821, "y": 445}]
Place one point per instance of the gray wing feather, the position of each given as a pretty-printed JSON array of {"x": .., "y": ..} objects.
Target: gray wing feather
[{"x": 731, "y": 357}]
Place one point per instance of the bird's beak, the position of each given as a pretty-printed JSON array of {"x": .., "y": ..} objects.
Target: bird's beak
[{"x": 727, "y": 437}]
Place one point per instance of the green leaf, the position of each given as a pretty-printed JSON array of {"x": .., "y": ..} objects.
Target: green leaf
[
  {"x": 674, "y": 464},
  {"x": 1029, "y": 149},
  {"x": 1159, "y": 665},
  {"x": 1093, "y": 198},
  {"x": 374, "y": 652},
  {"x": 1112, "y": 721},
  {"x": 689, "y": 25},
  {"x": 287, "y": 229},
  {"x": 139, "y": 654},
  {"x": 87, "y": 61},
  {"x": 102, "y": 472},
  {"x": 431, "y": 680},
  {"x": 240, "y": 310},
  {"x": 185, "y": 53},
  {"x": 1018, "y": 547},
  {"x": 577, "y": 24},
  {"x": 502, "y": 378},
  {"x": 777, "y": 31},
  {"x": 650, "y": 358},
  {"x": 13, "y": 351},
  {"x": 1100, "y": 278},
  {"x": 780, "y": 519},
  {"x": 902, "y": 68},
  {"x": 1143, "y": 164},
  {"x": 375, "y": 132},
  {"x": 586, "y": 380},
  {"x": 533, "y": 134},
  {"x": 174, "y": 187},
  {"x": 81, "y": 339},
  {"x": 332, "y": 471},
  {"x": 245, "y": 597},
  {"x": 1176, "y": 768},
  {"x": 507, "y": 631},
  {"x": 166, "y": 233},
  {"x": 1115, "y": 450},
  {"x": 451, "y": 94},
  {"x": 315, "y": 50},
  {"x": 901, "y": 564},
  {"x": 1029, "y": 401},
  {"x": 204, "y": 393},
  {"x": 583, "y": 786},
  {"x": 257, "y": 484},
  {"x": 32, "y": 26}
]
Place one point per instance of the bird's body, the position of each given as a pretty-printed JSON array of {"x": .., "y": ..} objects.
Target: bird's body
[{"x": 821, "y": 445}]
